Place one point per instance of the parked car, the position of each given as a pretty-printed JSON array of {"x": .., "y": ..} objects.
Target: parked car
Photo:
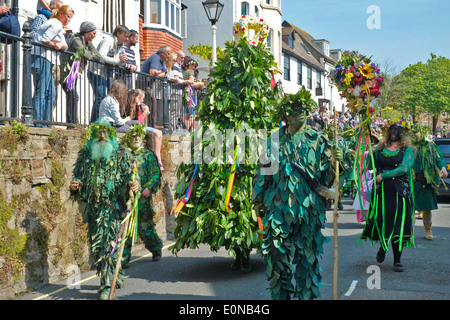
[{"x": 444, "y": 145}]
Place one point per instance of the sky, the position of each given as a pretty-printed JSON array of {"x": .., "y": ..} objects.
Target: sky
[{"x": 393, "y": 32}]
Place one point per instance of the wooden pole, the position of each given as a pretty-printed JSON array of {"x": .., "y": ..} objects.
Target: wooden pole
[
  {"x": 119, "y": 259},
  {"x": 124, "y": 235},
  {"x": 335, "y": 213}
]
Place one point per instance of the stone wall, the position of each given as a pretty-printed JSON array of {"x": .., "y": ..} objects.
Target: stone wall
[{"x": 42, "y": 238}]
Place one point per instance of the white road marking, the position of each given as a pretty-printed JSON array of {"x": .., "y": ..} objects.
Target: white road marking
[{"x": 352, "y": 287}]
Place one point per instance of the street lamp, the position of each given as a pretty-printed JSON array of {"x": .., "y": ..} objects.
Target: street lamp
[{"x": 213, "y": 9}]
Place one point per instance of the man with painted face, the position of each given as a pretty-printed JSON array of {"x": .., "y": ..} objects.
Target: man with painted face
[
  {"x": 390, "y": 214},
  {"x": 292, "y": 201},
  {"x": 150, "y": 180},
  {"x": 429, "y": 168},
  {"x": 101, "y": 185}
]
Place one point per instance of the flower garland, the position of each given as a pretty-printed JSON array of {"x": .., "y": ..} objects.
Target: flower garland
[
  {"x": 359, "y": 81},
  {"x": 401, "y": 123},
  {"x": 247, "y": 23}
]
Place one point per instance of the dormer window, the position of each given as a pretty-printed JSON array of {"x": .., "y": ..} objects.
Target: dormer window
[{"x": 291, "y": 40}]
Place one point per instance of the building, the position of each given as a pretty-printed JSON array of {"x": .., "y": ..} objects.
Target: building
[
  {"x": 309, "y": 62},
  {"x": 199, "y": 31}
]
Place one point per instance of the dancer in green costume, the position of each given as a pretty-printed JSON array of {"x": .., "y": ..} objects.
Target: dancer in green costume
[
  {"x": 429, "y": 168},
  {"x": 239, "y": 97},
  {"x": 102, "y": 179},
  {"x": 392, "y": 208},
  {"x": 292, "y": 202},
  {"x": 150, "y": 180}
]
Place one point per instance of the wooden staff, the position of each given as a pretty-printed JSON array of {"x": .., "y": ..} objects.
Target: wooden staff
[
  {"x": 124, "y": 235},
  {"x": 335, "y": 213}
]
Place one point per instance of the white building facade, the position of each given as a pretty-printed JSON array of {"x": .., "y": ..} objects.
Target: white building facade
[{"x": 199, "y": 27}]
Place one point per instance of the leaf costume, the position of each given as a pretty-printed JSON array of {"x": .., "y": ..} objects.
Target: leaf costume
[
  {"x": 427, "y": 165},
  {"x": 239, "y": 97},
  {"x": 102, "y": 199},
  {"x": 294, "y": 211},
  {"x": 150, "y": 178}
]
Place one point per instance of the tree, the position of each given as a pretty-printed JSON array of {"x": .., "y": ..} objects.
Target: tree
[{"x": 424, "y": 88}]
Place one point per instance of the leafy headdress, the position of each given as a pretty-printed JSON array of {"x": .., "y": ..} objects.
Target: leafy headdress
[
  {"x": 294, "y": 104},
  {"x": 99, "y": 125},
  {"x": 135, "y": 130}
]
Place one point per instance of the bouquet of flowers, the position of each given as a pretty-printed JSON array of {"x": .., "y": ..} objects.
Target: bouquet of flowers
[{"x": 359, "y": 81}]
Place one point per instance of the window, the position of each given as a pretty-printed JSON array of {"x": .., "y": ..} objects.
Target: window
[
  {"x": 113, "y": 14},
  {"x": 155, "y": 11},
  {"x": 291, "y": 40},
  {"x": 256, "y": 12},
  {"x": 168, "y": 13},
  {"x": 267, "y": 1},
  {"x": 183, "y": 24},
  {"x": 287, "y": 68},
  {"x": 318, "y": 79},
  {"x": 244, "y": 8},
  {"x": 299, "y": 72},
  {"x": 309, "y": 78},
  {"x": 269, "y": 40}
]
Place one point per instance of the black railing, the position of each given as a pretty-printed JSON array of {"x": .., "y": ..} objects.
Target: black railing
[{"x": 33, "y": 88}]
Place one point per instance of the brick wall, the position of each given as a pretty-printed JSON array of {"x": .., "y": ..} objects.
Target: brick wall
[{"x": 153, "y": 39}]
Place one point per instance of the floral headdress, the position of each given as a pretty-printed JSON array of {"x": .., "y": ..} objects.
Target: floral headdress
[
  {"x": 401, "y": 123},
  {"x": 359, "y": 81},
  {"x": 191, "y": 62},
  {"x": 246, "y": 23}
]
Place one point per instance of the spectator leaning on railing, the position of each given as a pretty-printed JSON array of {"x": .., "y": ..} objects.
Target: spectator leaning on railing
[
  {"x": 130, "y": 64},
  {"x": 82, "y": 40},
  {"x": 109, "y": 49},
  {"x": 50, "y": 33}
]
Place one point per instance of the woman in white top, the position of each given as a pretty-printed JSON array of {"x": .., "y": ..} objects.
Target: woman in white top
[
  {"x": 50, "y": 33},
  {"x": 114, "y": 105}
]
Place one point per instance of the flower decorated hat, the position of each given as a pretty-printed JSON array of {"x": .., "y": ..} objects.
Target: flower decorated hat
[{"x": 401, "y": 123}]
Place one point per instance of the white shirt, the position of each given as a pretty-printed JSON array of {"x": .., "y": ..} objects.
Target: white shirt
[{"x": 50, "y": 30}]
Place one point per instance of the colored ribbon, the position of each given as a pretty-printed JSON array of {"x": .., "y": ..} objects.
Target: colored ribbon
[
  {"x": 237, "y": 150},
  {"x": 180, "y": 204}
]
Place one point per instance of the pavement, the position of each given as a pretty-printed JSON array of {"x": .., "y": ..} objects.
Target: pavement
[{"x": 203, "y": 275}]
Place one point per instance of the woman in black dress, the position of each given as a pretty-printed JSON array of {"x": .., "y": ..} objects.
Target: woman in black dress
[{"x": 392, "y": 207}]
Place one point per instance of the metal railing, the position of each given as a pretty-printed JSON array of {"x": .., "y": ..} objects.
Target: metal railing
[{"x": 33, "y": 88}]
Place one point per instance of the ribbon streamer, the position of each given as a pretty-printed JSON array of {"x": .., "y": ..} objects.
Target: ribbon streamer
[
  {"x": 237, "y": 150},
  {"x": 180, "y": 204}
]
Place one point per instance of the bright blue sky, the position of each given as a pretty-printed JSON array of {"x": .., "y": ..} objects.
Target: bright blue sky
[{"x": 409, "y": 29}]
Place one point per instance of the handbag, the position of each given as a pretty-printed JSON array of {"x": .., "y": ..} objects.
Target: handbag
[{"x": 9, "y": 24}]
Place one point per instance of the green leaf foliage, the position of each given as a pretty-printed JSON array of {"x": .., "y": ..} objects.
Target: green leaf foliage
[{"x": 239, "y": 97}]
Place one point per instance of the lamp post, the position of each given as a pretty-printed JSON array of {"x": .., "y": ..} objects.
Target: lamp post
[{"x": 213, "y": 9}]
